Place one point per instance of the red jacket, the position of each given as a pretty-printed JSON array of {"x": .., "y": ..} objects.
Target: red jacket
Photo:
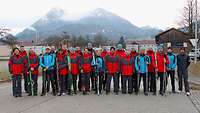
[
  {"x": 120, "y": 53},
  {"x": 74, "y": 57},
  {"x": 161, "y": 60},
  {"x": 127, "y": 65},
  {"x": 86, "y": 63},
  {"x": 112, "y": 63},
  {"x": 16, "y": 64},
  {"x": 134, "y": 53},
  {"x": 34, "y": 63},
  {"x": 151, "y": 66},
  {"x": 24, "y": 55},
  {"x": 62, "y": 64},
  {"x": 104, "y": 53}
]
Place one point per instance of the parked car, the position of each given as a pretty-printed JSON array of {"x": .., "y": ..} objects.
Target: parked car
[{"x": 192, "y": 54}]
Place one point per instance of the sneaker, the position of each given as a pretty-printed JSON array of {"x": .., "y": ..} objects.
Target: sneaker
[
  {"x": 179, "y": 91},
  {"x": 173, "y": 91},
  {"x": 188, "y": 93},
  {"x": 154, "y": 93},
  {"x": 146, "y": 94},
  {"x": 116, "y": 93},
  {"x": 63, "y": 94}
]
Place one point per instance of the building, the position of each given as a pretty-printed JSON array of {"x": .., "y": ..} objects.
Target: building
[
  {"x": 175, "y": 39},
  {"x": 140, "y": 44}
]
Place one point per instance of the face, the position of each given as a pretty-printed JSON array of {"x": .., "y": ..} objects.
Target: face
[
  {"x": 21, "y": 48},
  {"x": 31, "y": 51},
  {"x": 127, "y": 52},
  {"x": 142, "y": 51},
  {"x": 99, "y": 53},
  {"x": 112, "y": 50},
  {"x": 86, "y": 50},
  {"x": 150, "y": 49},
  {"x": 169, "y": 50},
  {"x": 52, "y": 48},
  {"x": 47, "y": 50},
  {"x": 78, "y": 48},
  {"x": 182, "y": 51},
  {"x": 161, "y": 50},
  {"x": 16, "y": 51}
]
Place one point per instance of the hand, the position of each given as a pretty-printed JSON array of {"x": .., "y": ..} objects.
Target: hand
[
  {"x": 47, "y": 68},
  {"x": 32, "y": 69},
  {"x": 81, "y": 70}
]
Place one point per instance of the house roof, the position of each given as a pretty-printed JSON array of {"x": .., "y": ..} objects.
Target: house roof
[{"x": 171, "y": 30}]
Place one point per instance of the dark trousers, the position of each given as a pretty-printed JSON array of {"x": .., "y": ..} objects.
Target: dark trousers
[
  {"x": 86, "y": 81},
  {"x": 152, "y": 81},
  {"x": 104, "y": 80},
  {"x": 47, "y": 78},
  {"x": 62, "y": 83},
  {"x": 126, "y": 79},
  {"x": 145, "y": 81},
  {"x": 135, "y": 79},
  {"x": 35, "y": 84},
  {"x": 183, "y": 75},
  {"x": 56, "y": 79},
  {"x": 93, "y": 80},
  {"x": 171, "y": 74},
  {"x": 116, "y": 82},
  {"x": 17, "y": 85},
  {"x": 79, "y": 82},
  {"x": 72, "y": 82},
  {"x": 25, "y": 82},
  {"x": 162, "y": 77},
  {"x": 99, "y": 85}
]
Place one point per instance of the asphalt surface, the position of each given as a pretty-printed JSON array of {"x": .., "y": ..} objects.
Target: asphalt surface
[{"x": 172, "y": 103}]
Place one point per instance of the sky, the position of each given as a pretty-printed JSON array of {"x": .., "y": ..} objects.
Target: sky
[{"x": 19, "y": 14}]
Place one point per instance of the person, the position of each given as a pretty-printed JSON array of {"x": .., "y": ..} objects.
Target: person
[
  {"x": 112, "y": 65},
  {"x": 53, "y": 53},
  {"x": 127, "y": 68},
  {"x": 47, "y": 62},
  {"x": 92, "y": 52},
  {"x": 171, "y": 68},
  {"x": 120, "y": 52},
  {"x": 79, "y": 53},
  {"x": 62, "y": 65},
  {"x": 141, "y": 65},
  {"x": 74, "y": 62},
  {"x": 16, "y": 69},
  {"x": 151, "y": 71},
  {"x": 100, "y": 70},
  {"x": 33, "y": 72},
  {"x": 183, "y": 61},
  {"x": 24, "y": 55},
  {"x": 134, "y": 54},
  {"x": 86, "y": 70},
  {"x": 161, "y": 60},
  {"x": 103, "y": 54}
]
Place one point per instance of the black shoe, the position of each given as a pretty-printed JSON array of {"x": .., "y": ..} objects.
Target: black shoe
[
  {"x": 116, "y": 93},
  {"x": 84, "y": 92},
  {"x": 19, "y": 95},
  {"x": 146, "y": 94},
  {"x": 154, "y": 93},
  {"x": 29, "y": 94},
  {"x": 15, "y": 96},
  {"x": 54, "y": 94},
  {"x": 35, "y": 94},
  {"x": 161, "y": 93},
  {"x": 107, "y": 92},
  {"x": 173, "y": 91},
  {"x": 136, "y": 93},
  {"x": 43, "y": 94}
]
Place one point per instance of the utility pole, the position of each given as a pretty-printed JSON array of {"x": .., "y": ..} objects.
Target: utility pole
[{"x": 196, "y": 17}]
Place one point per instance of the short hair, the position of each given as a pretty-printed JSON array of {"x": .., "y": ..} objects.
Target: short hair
[{"x": 112, "y": 48}]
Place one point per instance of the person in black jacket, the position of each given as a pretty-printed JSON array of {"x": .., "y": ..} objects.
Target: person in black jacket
[{"x": 183, "y": 61}]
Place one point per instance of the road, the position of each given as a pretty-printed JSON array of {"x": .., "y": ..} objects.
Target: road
[{"x": 173, "y": 103}]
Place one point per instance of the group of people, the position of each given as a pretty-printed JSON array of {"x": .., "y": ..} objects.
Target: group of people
[{"x": 92, "y": 70}]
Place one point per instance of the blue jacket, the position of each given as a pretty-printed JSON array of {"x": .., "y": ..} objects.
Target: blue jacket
[
  {"x": 141, "y": 63},
  {"x": 47, "y": 60},
  {"x": 172, "y": 61},
  {"x": 100, "y": 64}
]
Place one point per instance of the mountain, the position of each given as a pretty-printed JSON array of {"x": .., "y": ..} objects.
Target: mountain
[{"x": 98, "y": 21}]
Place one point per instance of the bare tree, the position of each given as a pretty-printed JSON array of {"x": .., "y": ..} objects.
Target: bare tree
[{"x": 188, "y": 18}]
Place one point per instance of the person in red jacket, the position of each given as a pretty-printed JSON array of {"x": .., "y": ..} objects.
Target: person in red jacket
[
  {"x": 24, "y": 55},
  {"x": 33, "y": 70},
  {"x": 134, "y": 54},
  {"x": 86, "y": 70},
  {"x": 127, "y": 68},
  {"x": 161, "y": 61},
  {"x": 151, "y": 71},
  {"x": 16, "y": 69},
  {"x": 79, "y": 53},
  {"x": 112, "y": 66},
  {"x": 62, "y": 65},
  {"x": 74, "y": 58}
]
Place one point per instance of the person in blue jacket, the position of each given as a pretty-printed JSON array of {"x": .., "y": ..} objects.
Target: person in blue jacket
[
  {"x": 100, "y": 70},
  {"x": 47, "y": 62},
  {"x": 141, "y": 66},
  {"x": 171, "y": 68}
]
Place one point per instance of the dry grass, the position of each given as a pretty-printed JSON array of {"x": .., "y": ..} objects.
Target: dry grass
[{"x": 195, "y": 68}]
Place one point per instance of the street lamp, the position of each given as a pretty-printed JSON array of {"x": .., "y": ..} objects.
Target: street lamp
[{"x": 196, "y": 30}]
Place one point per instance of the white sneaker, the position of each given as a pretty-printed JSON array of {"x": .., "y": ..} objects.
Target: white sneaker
[
  {"x": 188, "y": 93},
  {"x": 63, "y": 94},
  {"x": 179, "y": 91}
]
